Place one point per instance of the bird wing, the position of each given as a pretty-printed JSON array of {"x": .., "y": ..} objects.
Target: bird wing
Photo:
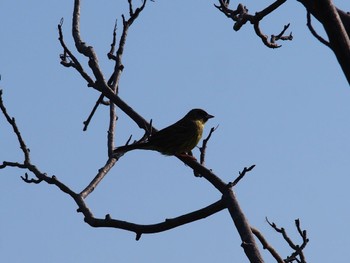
[{"x": 175, "y": 138}]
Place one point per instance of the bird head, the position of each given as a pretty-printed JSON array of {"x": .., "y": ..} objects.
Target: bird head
[{"x": 198, "y": 115}]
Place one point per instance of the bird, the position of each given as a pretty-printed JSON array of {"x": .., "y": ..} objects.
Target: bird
[{"x": 177, "y": 139}]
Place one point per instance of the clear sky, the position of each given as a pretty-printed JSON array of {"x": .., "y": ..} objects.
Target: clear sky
[{"x": 285, "y": 110}]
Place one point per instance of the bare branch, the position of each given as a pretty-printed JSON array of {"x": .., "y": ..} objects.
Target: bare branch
[
  {"x": 170, "y": 223},
  {"x": 313, "y": 31},
  {"x": 204, "y": 145},
  {"x": 337, "y": 26},
  {"x": 241, "y": 16},
  {"x": 102, "y": 172},
  {"x": 110, "y": 54},
  {"x": 26, "y": 179},
  {"x": 82, "y": 207},
  {"x": 298, "y": 254},
  {"x": 239, "y": 219},
  {"x": 98, "y": 102},
  {"x": 118, "y": 68},
  {"x": 281, "y": 35},
  {"x": 241, "y": 175},
  {"x": 69, "y": 60},
  {"x": 12, "y": 122},
  {"x": 107, "y": 89},
  {"x": 266, "y": 245}
]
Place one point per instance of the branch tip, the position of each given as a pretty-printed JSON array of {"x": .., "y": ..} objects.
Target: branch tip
[
  {"x": 241, "y": 175},
  {"x": 108, "y": 217}
]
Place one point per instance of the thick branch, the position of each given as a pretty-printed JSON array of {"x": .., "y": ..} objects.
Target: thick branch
[
  {"x": 332, "y": 20},
  {"x": 229, "y": 200},
  {"x": 159, "y": 227},
  {"x": 248, "y": 242},
  {"x": 108, "y": 222}
]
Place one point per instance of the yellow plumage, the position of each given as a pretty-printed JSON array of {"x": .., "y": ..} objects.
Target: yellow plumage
[{"x": 178, "y": 138}]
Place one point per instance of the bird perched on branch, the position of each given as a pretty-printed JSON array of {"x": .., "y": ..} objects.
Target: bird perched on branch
[{"x": 176, "y": 139}]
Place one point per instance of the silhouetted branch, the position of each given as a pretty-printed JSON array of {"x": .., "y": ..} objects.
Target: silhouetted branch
[
  {"x": 241, "y": 175},
  {"x": 281, "y": 35},
  {"x": 12, "y": 122},
  {"x": 26, "y": 179},
  {"x": 170, "y": 223},
  {"x": 98, "y": 102},
  {"x": 248, "y": 242},
  {"x": 110, "y": 54},
  {"x": 298, "y": 254},
  {"x": 203, "y": 149},
  {"x": 313, "y": 31},
  {"x": 99, "y": 83},
  {"x": 336, "y": 23},
  {"x": 241, "y": 16},
  {"x": 79, "y": 198},
  {"x": 69, "y": 60},
  {"x": 109, "y": 89},
  {"x": 266, "y": 245}
]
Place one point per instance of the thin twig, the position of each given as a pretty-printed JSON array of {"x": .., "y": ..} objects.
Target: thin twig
[
  {"x": 313, "y": 31},
  {"x": 67, "y": 54},
  {"x": 98, "y": 178},
  {"x": 98, "y": 102},
  {"x": 204, "y": 145},
  {"x": 12, "y": 122},
  {"x": 241, "y": 175},
  {"x": 281, "y": 35},
  {"x": 297, "y": 254}
]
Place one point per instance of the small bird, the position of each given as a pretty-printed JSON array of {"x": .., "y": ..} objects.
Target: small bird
[{"x": 176, "y": 139}]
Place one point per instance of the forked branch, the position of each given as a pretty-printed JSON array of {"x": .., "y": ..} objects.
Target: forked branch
[
  {"x": 298, "y": 254},
  {"x": 241, "y": 16}
]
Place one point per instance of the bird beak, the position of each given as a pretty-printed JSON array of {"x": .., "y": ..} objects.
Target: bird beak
[{"x": 209, "y": 116}]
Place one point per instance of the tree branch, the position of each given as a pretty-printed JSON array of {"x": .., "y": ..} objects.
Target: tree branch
[
  {"x": 313, "y": 31},
  {"x": 79, "y": 198},
  {"x": 109, "y": 90},
  {"x": 334, "y": 22},
  {"x": 203, "y": 149},
  {"x": 99, "y": 83},
  {"x": 241, "y": 16},
  {"x": 298, "y": 254},
  {"x": 12, "y": 122},
  {"x": 241, "y": 222},
  {"x": 170, "y": 223},
  {"x": 241, "y": 175},
  {"x": 267, "y": 246}
]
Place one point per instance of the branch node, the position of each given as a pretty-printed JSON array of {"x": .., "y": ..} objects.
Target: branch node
[
  {"x": 28, "y": 180},
  {"x": 138, "y": 236},
  {"x": 108, "y": 217}
]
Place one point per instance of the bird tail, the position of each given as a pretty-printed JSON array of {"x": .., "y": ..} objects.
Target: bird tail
[{"x": 126, "y": 148}]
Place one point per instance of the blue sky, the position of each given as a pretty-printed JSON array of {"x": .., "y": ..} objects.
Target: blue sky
[{"x": 285, "y": 110}]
